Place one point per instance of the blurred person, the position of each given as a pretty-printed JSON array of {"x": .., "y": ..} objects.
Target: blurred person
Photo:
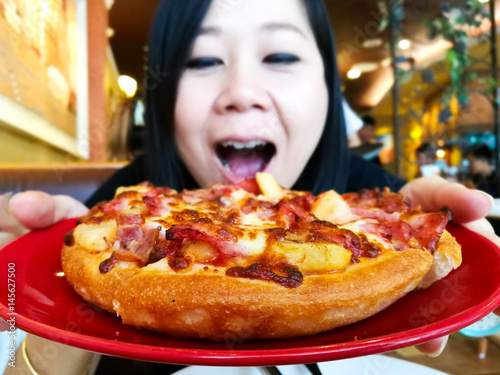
[
  {"x": 369, "y": 148},
  {"x": 367, "y": 132},
  {"x": 426, "y": 158},
  {"x": 483, "y": 177}
]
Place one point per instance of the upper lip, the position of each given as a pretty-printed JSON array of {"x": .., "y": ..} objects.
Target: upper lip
[{"x": 241, "y": 140}]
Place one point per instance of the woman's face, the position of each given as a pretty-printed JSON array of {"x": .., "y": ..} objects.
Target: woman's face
[{"x": 253, "y": 96}]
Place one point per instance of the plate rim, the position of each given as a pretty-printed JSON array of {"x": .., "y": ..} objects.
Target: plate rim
[{"x": 255, "y": 357}]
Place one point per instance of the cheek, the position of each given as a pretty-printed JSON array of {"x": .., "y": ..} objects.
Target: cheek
[
  {"x": 189, "y": 110},
  {"x": 312, "y": 109},
  {"x": 304, "y": 123}
]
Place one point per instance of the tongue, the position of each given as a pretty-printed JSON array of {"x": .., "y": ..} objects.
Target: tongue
[{"x": 244, "y": 163}]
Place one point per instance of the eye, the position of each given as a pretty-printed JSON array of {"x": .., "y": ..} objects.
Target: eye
[
  {"x": 203, "y": 63},
  {"x": 281, "y": 59}
]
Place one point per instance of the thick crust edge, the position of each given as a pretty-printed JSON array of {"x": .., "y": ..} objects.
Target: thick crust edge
[{"x": 208, "y": 304}]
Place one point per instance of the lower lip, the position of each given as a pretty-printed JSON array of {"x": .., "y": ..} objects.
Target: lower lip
[{"x": 231, "y": 178}]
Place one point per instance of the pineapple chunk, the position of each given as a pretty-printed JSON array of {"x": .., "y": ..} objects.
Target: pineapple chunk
[
  {"x": 317, "y": 257},
  {"x": 269, "y": 186},
  {"x": 91, "y": 236},
  {"x": 202, "y": 251},
  {"x": 330, "y": 206}
]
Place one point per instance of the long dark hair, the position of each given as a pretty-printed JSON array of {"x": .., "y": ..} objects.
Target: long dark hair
[{"x": 173, "y": 33}]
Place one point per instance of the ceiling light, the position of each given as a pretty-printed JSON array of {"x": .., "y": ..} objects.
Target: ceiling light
[
  {"x": 484, "y": 1},
  {"x": 128, "y": 85},
  {"x": 404, "y": 44},
  {"x": 365, "y": 67},
  {"x": 354, "y": 73},
  {"x": 372, "y": 43},
  {"x": 440, "y": 153}
]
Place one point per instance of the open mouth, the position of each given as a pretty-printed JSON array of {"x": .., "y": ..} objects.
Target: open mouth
[{"x": 245, "y": 159}]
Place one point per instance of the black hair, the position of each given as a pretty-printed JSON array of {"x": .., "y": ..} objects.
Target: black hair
[
  {"x": 480, "y": 152},
  {"x": 173, "y": 33},
  {"x": 368, "y": 120},
  {"x": 427, "y": 149}
]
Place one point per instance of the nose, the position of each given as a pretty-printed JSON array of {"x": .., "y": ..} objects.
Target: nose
[{"x": 243, "y": 90}]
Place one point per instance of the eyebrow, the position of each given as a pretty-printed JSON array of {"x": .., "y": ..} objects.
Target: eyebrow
[
  {"x": 276, "y": 26},
  {"x": 209, "y": 30},
  {"x": 271, "y": 26}
]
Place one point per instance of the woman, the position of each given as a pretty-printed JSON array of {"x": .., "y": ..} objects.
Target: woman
[{"x": 247, "y": 86}]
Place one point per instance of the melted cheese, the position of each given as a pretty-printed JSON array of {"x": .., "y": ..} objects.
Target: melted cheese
[{"x": 357, "y": 227}]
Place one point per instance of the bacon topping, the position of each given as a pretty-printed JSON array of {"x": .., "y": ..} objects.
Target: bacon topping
[
  {"x": 108, "y": 264},
  {"x": 69, "y": 238},
  {"x": 119, "y": 203},
  {"x": 295, "y": 211},
  {"x": 250, "y": 186},
  {"x": 210, "y": 232},
  {"x": 178, "y": 264},
  {"x": 282, "y": 274},
  {"x": 357, "y": 244},
  {"x": 159, "y": 191},
  {"x": 158, "y": 206},
  {"x": 214, "y": 216},
  {"x": 427, "y": 228},
  {"x": 375, "y": 204}
]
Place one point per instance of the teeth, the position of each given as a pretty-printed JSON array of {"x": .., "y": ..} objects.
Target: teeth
[{"x": 241, "y": 145}]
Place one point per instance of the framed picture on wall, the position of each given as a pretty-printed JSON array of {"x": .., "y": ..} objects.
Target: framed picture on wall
[{"x": 44, "y": 71}]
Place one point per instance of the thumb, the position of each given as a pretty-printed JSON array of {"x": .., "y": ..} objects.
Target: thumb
[
  {"x": 433, "y": 193},
  {"x": 38, "y": 210}
]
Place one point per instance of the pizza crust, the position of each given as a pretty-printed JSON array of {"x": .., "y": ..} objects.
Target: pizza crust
[
  {"x": 208, "y": 304},
  {"x": 81, "y": 268},
  {"x": 447, "y": 257}
]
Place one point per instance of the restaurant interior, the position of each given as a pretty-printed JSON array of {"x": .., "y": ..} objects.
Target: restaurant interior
[{"x": 420, "y": 77}]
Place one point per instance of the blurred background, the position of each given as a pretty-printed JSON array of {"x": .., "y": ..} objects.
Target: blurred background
[{"x": 74, "y": 74}]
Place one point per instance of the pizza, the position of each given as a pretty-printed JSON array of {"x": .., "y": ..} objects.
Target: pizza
[{"x": 254, "y": 261}]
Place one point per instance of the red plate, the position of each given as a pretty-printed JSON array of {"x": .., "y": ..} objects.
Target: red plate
[{"x": 47, "y": 306}]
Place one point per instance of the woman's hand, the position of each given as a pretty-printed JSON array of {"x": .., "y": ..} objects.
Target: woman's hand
[
  {"x": 34, "y": 210},
  {"x": 469, "y": 208}
]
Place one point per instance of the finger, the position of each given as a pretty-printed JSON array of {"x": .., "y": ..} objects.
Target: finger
[
  {"x": 38, "y": 210},
  {"x": 434, "y": 347},
  {"x": 8, "y": 222},
  {"x": 484, "y": 228},
  {"x": 5, "y": 238},
  {"x": 433, "y": 193},
  {"x": 497, "y": 311}
]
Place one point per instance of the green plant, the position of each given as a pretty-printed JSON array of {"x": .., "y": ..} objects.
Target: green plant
[{"x": 455, "y": 24}]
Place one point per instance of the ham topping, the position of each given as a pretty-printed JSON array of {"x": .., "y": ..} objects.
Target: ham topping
[{"x": 375, "y": 204}]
